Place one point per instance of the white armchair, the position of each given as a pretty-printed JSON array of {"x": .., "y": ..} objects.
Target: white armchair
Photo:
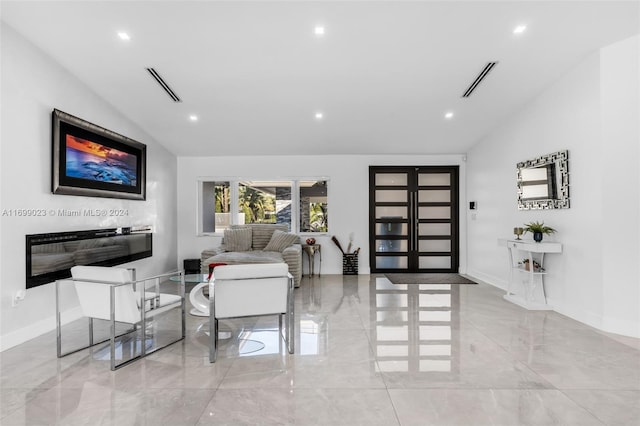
[
  {"x": 251, "y": 290},
  {"x": 113, "y": 295}
]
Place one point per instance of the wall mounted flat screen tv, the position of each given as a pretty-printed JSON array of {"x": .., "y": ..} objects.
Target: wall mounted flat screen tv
[{"x": 92, "y": 161}]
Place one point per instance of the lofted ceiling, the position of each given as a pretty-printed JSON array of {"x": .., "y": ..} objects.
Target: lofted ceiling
[{"x": 383, "y": 75}]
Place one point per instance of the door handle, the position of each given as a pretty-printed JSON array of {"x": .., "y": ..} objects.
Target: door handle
[
  {"x": 410, "y": 229},
  {"x": 416, "y": 221}
]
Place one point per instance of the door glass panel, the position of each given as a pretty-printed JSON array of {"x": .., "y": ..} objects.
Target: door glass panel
[
  {"x": 399, "y": 212},
  {"x": 393, "y": 179},
  {"x": 391, "y": 196},
  {"x": 427, "y": 179},
  {"x": 429, "y": 262},
  {"x": 391, "y": 262},
  {"x": 391, "y": 228},
  {"x": 434, "y": 245},
  {"x": 434, "y": 229},
  {"x": 434, "y": 195},
  {"x": 434, "y": 212},
  {"x": 386, "y": 246}
]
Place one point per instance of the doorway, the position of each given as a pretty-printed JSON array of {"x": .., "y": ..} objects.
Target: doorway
[{"x": 413, "y": 219}]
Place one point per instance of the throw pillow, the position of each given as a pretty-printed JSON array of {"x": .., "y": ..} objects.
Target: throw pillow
[
  {"x": 281, "y": 240},
  {"x": 237, "y": 239}
]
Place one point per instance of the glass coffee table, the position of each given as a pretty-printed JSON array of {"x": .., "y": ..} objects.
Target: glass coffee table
[{"x": 197, "y": 296}]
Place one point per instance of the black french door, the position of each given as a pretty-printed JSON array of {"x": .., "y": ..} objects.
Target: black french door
[{"x": 413, "y": 219}]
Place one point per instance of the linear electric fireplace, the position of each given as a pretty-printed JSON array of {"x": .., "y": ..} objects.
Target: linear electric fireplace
[{"x": 51, "y": 256}]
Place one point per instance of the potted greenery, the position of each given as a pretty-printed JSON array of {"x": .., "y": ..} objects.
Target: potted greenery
[{"x": 538, "y": 229}]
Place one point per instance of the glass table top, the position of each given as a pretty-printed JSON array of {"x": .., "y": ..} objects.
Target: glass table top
[{"x": 192, "y": 278}]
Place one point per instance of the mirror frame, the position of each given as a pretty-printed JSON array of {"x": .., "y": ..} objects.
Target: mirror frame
[{"x": 559, "y": 160}]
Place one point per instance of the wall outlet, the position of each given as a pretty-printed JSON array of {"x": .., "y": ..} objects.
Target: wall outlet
[{"x": 18, "y": 296}]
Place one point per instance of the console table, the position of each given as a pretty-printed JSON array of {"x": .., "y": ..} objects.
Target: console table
[
  {"x": 311, "y": 250},
  {"x": 532, "y": 278}
]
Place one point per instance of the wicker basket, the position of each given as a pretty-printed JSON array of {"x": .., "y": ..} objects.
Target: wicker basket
[{"x": 350, "y": 264}]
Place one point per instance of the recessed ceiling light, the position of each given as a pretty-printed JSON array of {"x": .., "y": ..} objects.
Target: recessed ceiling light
[
  {"x": 448, "y": 115},
  {"x": 319, "y": 30},
  {"x": 319, "y": 115},
  {"x": 519, "y": 29},
  {"x": 193, "y": 117},
  {"x": 124, "y": 36}
]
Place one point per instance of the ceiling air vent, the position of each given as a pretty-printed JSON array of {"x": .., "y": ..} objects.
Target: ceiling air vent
[
  {"x": 478, "y": 79},
  {"x": 163, "y": 84}
]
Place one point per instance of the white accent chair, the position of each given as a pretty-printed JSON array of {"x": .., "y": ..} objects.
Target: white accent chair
[
  {"x": 251, "y": 290},
  {"x": 114, "y": 295}
]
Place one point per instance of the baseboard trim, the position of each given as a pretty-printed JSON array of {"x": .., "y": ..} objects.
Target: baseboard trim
[
  {"x": 487, "y": 279},
  {"x": 39, "y": 328},
  {"x": 606, "y": 324},
  {"x": 622, "y": 327}
]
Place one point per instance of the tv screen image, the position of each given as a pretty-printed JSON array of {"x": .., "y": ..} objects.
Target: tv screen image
[{"x": 94, "y": 161}]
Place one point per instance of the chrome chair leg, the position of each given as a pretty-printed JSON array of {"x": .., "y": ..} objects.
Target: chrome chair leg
[
  {"x": 213, "y": 325},
  {"x": 213, "y": 339},
  {"x": 290, "y": 318}
]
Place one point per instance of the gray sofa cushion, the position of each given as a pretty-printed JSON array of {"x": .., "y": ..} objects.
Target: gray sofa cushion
[
  {"x": 261, "y": 233},
  {"x": 243, "y": 257},
  {"x": 281, "y": 240},
  {"x": 237, "y": 239}
]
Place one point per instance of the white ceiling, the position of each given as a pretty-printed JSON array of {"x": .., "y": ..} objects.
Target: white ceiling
[{"x": 384, "y": 74}]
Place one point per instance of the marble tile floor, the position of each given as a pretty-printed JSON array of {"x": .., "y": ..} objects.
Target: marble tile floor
[{"x": 368, "y": 353}]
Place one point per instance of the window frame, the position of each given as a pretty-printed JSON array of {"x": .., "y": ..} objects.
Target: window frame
[
  {"x": 298, "y": 188},
  {"x": 234, "y": 184}
]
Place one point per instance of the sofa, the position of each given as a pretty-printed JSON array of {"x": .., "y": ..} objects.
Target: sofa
[{"x": 257, "y": 243}]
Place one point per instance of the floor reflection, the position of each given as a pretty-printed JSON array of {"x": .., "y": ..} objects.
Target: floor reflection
[
  {"x": 416, "y": 327},
  {"x": 367, "y": 352},
  {"x": 257, "y": 336}
]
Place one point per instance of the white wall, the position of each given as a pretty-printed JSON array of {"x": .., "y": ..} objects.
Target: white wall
[
  {"x": 348, "y": 196},
  {"x": 590, "y": 112},
  {"x": 32, "y": 86},
  {"x": 620, "y": 112}
]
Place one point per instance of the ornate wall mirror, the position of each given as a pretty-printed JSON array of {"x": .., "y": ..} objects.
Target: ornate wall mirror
[{"x": 543, "y": 183}]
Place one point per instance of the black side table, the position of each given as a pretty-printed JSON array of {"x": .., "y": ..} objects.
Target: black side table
[{"x": 191, "y": 266}]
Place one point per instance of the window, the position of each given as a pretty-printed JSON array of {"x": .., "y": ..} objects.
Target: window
[
  {"x": 300, "y": 204},
  {"x": 313, "y": 206},
  {"x": 216, "y": 206},
  {"x": 265, "y": 202}
]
